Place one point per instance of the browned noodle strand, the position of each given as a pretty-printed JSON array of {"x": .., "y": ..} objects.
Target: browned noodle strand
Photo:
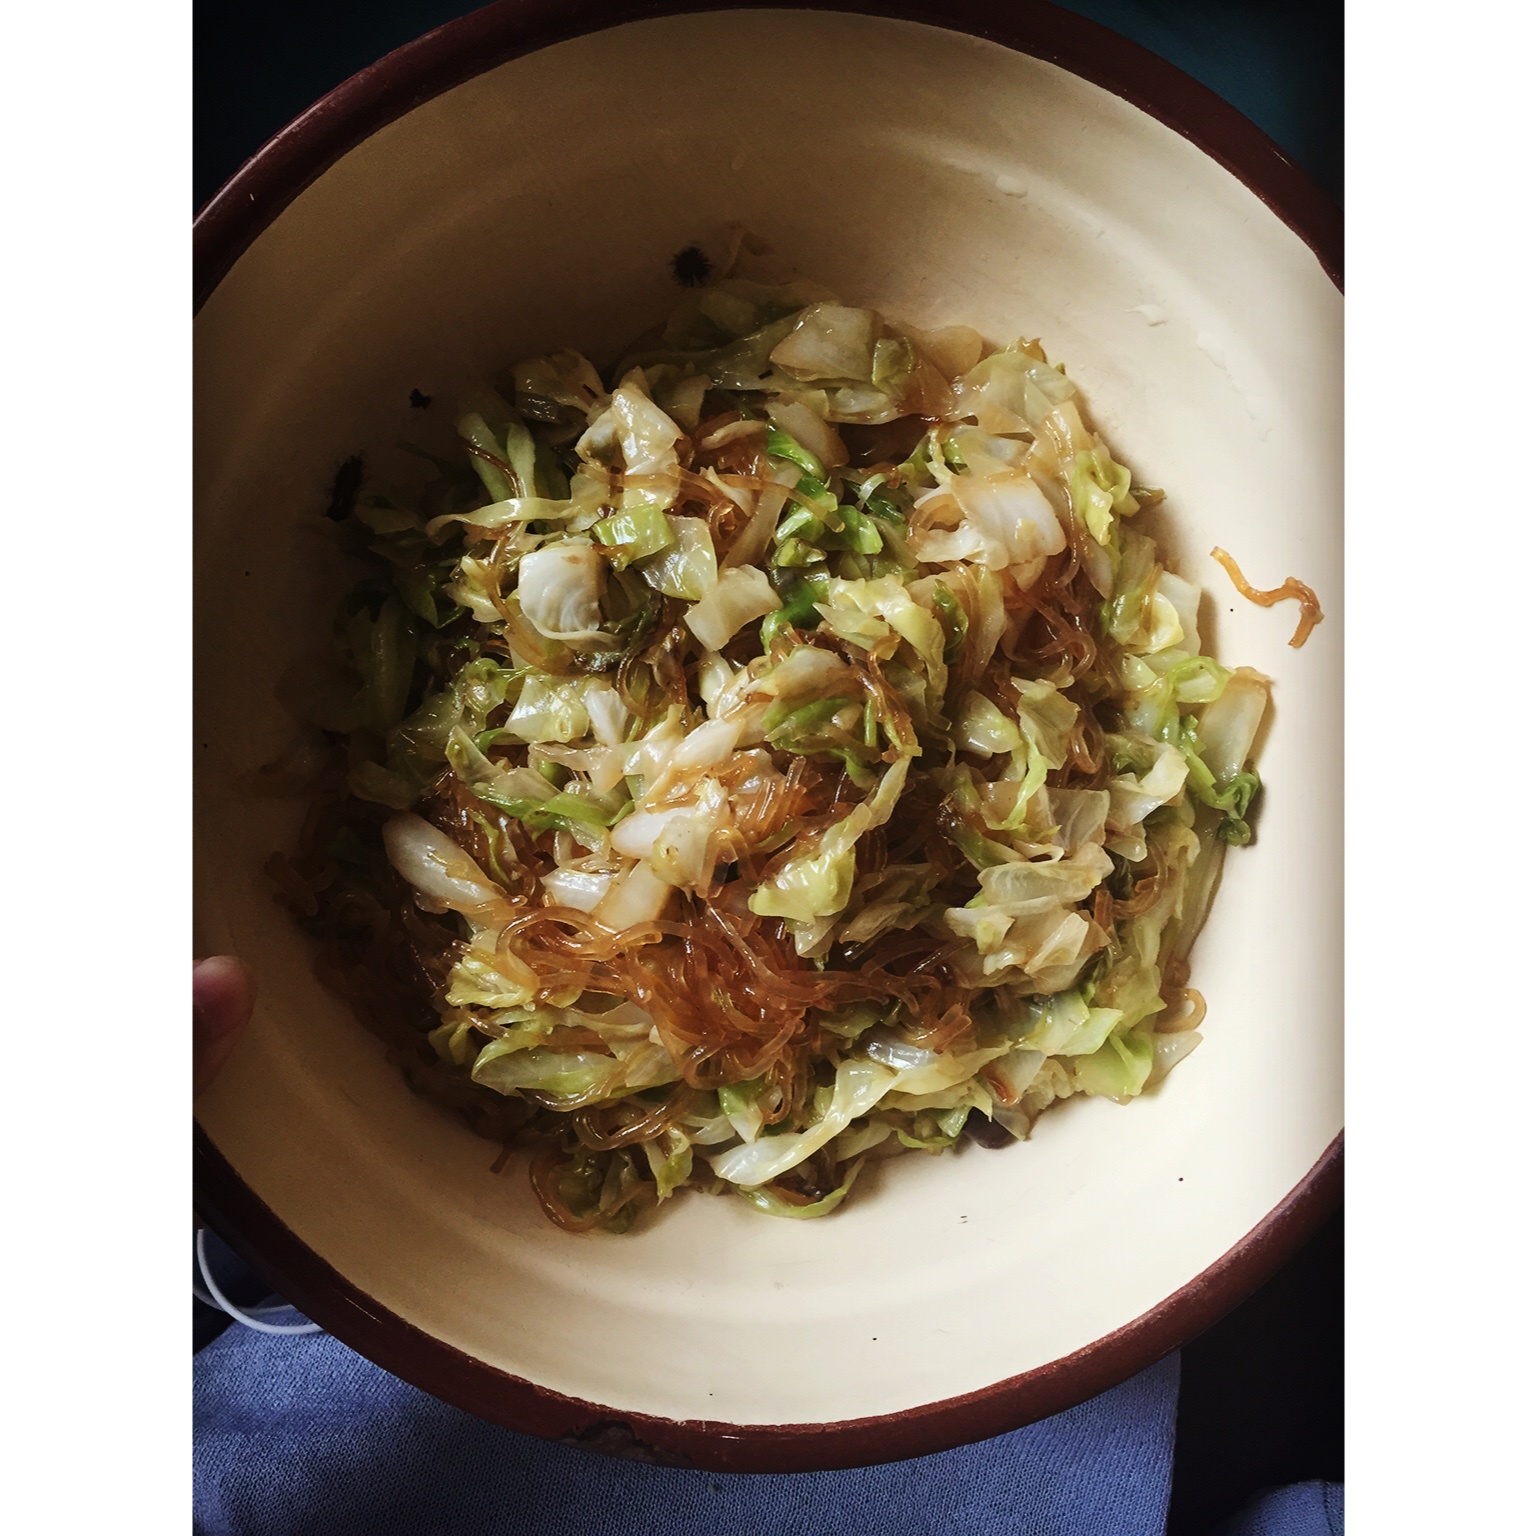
[
  {"x": 543, "y": 1173},
  {"x": 589, "y": 1120},
  {"x": 1307, "y": 620},
  {"x": 1174, "y": 1023}
]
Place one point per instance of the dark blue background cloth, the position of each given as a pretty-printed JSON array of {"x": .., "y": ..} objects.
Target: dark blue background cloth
[
  {"x": 302, "y": 1437},
  {"x": 1300, "y": 1510}
]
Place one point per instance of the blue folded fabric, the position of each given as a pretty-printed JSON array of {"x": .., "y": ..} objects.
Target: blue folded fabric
[
  {"x": 299, "y": 1436},
  {"x": 1304, "y": 1509}
]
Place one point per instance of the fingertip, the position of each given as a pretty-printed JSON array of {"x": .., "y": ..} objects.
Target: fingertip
[{"x": 223, "y": 991}]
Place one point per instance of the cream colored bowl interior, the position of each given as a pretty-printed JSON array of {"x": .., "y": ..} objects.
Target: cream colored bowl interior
[{"x": 942, "y": 179}]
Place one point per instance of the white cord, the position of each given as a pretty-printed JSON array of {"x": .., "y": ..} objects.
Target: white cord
[
  {"x": 209, "y": 1302},
  {"x": 217, "y": 1298}
]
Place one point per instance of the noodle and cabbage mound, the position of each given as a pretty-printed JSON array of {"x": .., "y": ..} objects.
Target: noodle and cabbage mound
[{"x": 782, "y": 756}]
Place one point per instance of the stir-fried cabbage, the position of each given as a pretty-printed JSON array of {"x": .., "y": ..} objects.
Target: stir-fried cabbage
[{"x": 784, "y": 755}]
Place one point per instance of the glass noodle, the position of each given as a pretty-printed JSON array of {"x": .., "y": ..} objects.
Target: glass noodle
[{"x": 782, "y": 752}]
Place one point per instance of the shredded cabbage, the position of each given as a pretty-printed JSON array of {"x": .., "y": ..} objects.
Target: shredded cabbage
[{"x": 784, "y": 753}]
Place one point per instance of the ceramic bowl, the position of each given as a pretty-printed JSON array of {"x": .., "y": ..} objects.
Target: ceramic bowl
[{"x": 519, "y": 181}]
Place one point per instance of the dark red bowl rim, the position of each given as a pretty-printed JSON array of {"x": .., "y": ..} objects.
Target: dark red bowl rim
[{"x": 225, "y": 227}]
